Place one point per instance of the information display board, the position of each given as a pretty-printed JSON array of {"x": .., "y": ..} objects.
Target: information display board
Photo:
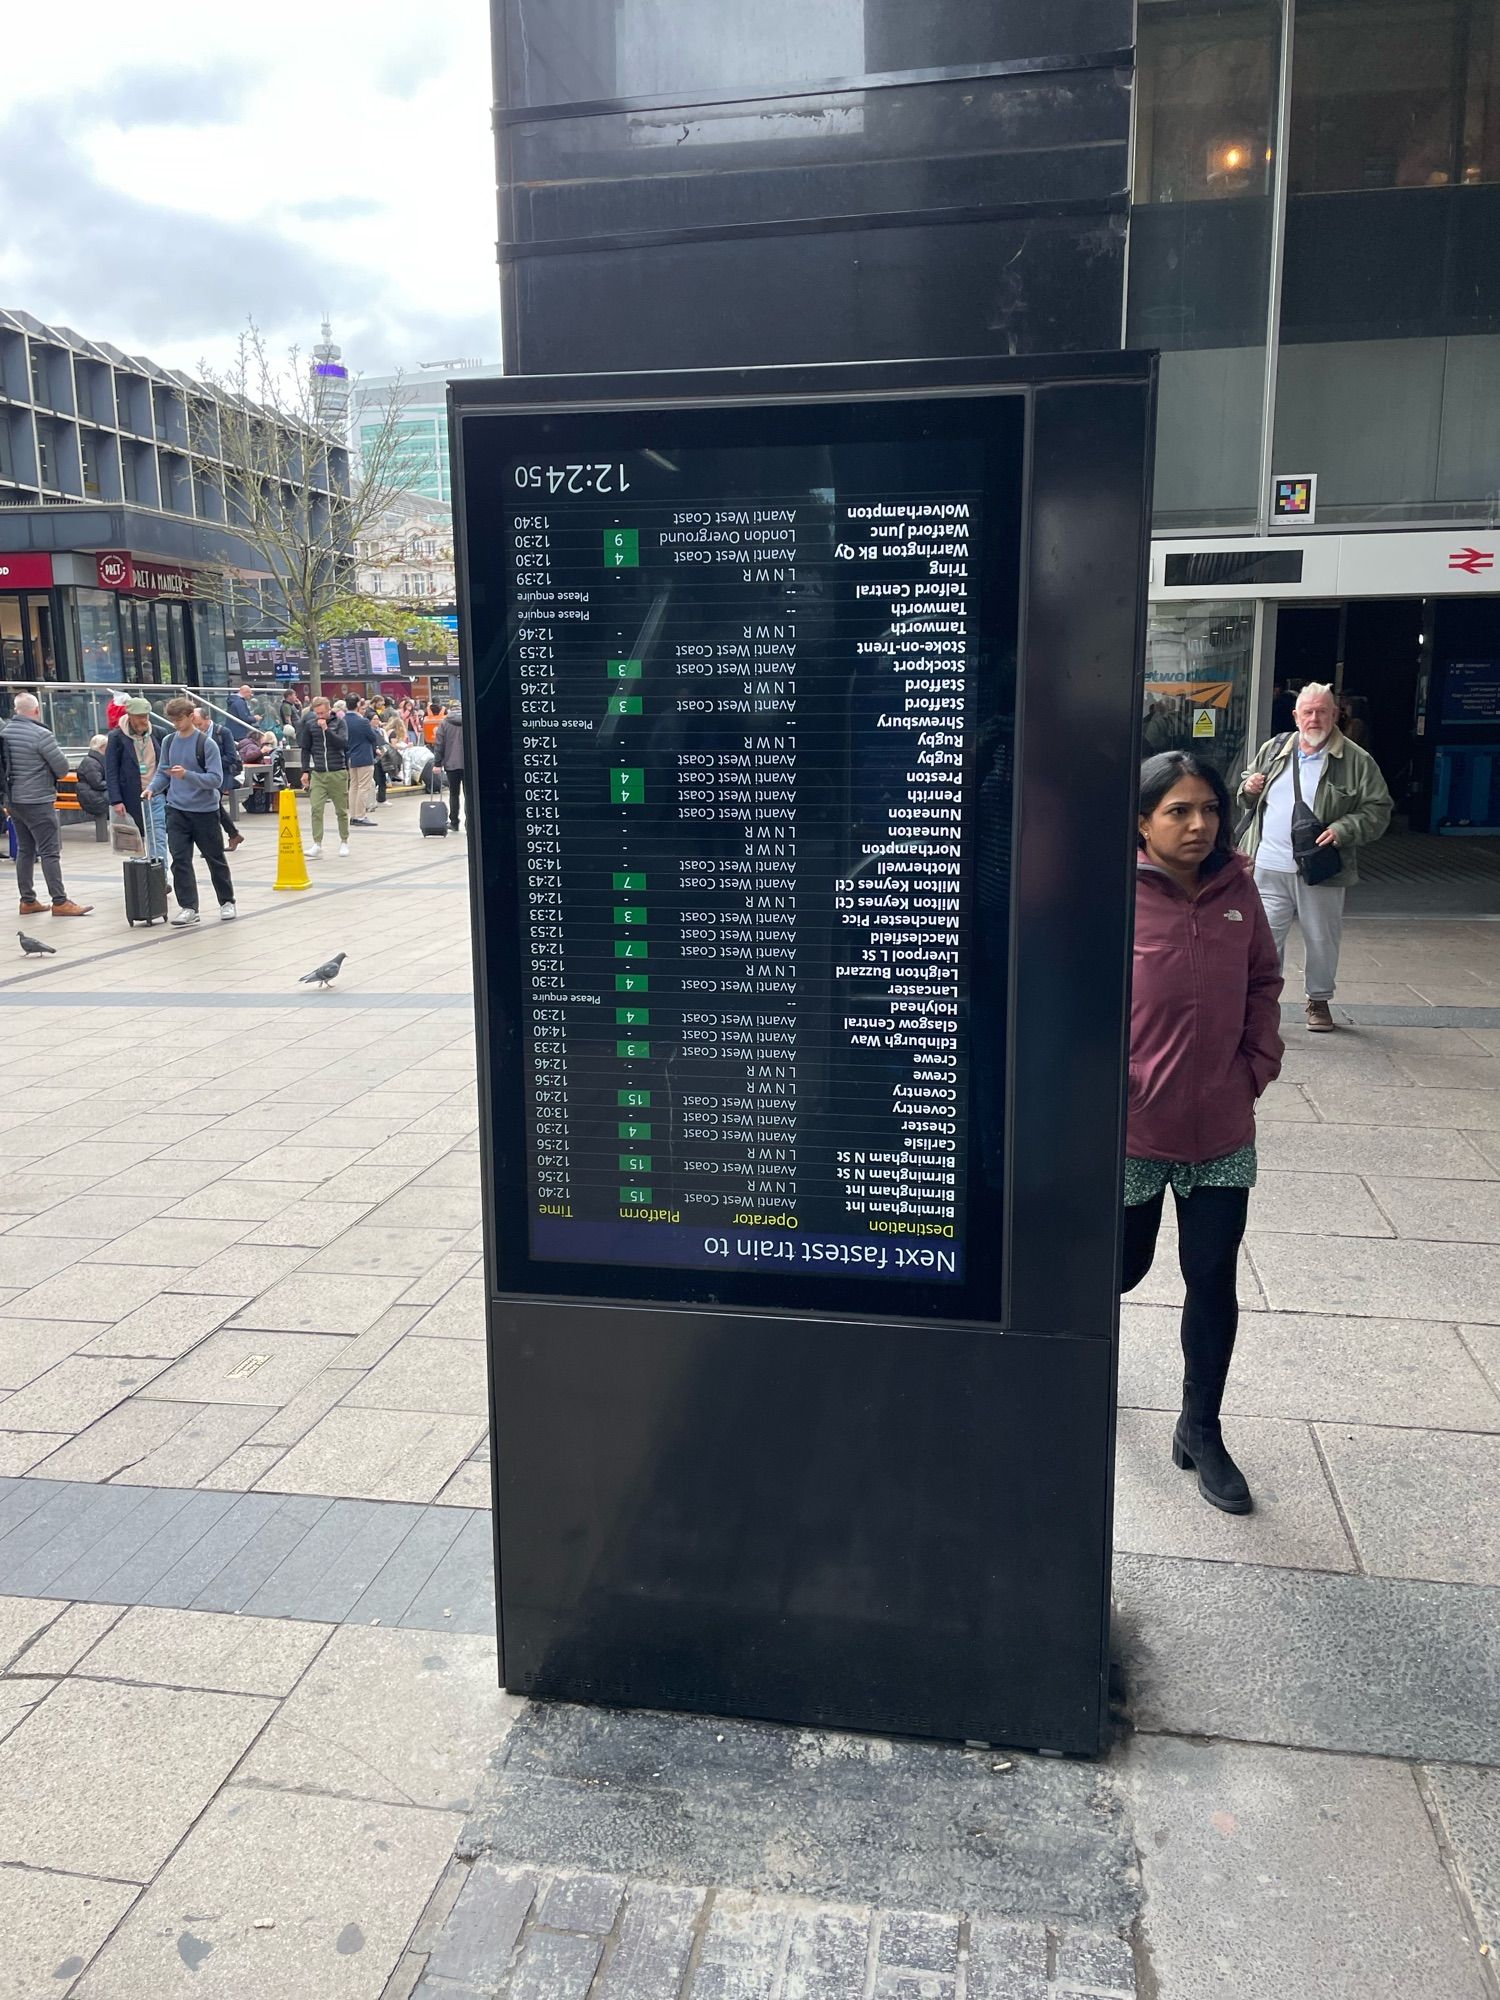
[
  {"x": 755, "y": 724},
  {"x": 802, "y": 713},
  {"x": 1471, "y": 692}
]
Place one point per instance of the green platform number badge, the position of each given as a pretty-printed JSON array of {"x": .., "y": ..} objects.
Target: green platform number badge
[
  {"x": 622, "y": 548},
  {"x": 627, "y": 786}
]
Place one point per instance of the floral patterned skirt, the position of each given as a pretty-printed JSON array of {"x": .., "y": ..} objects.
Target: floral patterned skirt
[{"x": 1145, "y": 1179}]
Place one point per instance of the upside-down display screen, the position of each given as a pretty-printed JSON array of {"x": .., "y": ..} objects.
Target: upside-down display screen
[{"x": 745, "y": 683}]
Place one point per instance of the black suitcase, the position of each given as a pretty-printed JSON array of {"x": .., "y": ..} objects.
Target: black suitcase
[
  {"x": 433, "y": 816},
  {"x": 145, "y": 890}
]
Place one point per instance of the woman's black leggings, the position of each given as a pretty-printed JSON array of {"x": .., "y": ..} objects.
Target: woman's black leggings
[{"x": 1210, "y": 1227}]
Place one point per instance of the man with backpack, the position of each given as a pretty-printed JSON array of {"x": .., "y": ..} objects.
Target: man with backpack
[{"x": 190, "y": 772}]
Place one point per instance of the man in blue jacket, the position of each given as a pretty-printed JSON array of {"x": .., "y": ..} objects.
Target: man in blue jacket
[
  {"x": 190, "y": 772},
  {"x": 365, "y": 744},
  {"x": 240, "y": 707}
]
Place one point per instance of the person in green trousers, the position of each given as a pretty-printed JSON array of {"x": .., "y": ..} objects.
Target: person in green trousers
[{"x": 325, "y": 771}]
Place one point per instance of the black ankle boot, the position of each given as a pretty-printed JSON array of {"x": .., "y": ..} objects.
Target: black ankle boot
[{"x": 1198, "y": 1444}]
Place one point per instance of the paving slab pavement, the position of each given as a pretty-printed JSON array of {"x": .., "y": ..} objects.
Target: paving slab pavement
[
  {"x": 1277, "y": 1872},
  {"x": 243, "y": 1508}
]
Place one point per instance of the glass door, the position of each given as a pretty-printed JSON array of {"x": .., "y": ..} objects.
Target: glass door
[
  {"x": 171, "y": 642},
  {"x": 177, "y": 627},
  {"x": 45, "y": 664},
  {"x": 130, "y": 652},
  {"x": 145, "y": 643},
  {"x": 12, "y": 641},
  {"x": 1198, "y": 667}
]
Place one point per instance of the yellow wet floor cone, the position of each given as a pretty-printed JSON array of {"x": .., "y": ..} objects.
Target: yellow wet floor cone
[{"x": 291, "y": 863}]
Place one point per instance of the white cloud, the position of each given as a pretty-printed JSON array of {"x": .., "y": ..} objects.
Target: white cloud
[{"x": 161, "y": 182}]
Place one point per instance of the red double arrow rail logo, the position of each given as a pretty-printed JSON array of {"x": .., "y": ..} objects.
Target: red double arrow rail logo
[{"x": 1472, "y": 560}]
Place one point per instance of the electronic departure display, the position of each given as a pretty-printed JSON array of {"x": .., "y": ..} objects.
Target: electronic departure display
[{"x": 756, "y": 703}]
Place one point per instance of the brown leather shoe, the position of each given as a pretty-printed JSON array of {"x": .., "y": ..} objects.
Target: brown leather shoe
[
  {"x": 1319, "y": 1017},
  {"x": 30, "y": 907},
  {"x": 71, "y": 909}
]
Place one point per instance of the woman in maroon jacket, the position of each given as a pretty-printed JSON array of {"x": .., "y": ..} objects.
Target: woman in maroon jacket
[{"x": 1204, "y": 1042}]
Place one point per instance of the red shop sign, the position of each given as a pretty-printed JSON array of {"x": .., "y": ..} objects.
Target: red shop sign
[
  {"x": 25, "y": 572},
  {"x": 164, "y": 579},
  {"x": 118, "y": 570}
]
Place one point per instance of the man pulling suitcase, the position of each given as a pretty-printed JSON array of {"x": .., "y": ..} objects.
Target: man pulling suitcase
[{"x": 432, "y": 816}]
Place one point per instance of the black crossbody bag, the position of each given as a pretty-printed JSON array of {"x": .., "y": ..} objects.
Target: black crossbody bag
[{"x": 1314, "y": 864}]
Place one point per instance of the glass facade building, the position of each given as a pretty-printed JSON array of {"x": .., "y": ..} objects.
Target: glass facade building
[
  {"x": 421, "y": 418},
  {"x": 118, "y": 542},
  {"x": 1296, "y": 203},
  {"x": 1317, "y": 212},
  {"x": 1313, "y": 249}
]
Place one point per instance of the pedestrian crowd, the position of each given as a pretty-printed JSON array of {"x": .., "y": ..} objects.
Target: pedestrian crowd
[
  {"x": 163, "y": 784},
  {"x": 1214, "y": 905}
]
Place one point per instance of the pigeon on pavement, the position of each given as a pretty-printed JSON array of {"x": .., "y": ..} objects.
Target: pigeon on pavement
[
  {"x": 323, "y": 975},
  {"x": 34, "y": 948}
]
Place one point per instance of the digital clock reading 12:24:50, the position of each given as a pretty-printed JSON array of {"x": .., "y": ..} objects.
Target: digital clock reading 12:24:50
[{"x": 573, "y": 478}]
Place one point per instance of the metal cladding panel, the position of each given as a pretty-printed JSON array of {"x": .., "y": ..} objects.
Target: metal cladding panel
[
  {"x": 566, "y": 52},
  {"x": 829, "y": 1499},
  {"x": 761, "y": 184},
  {"x": 982, "y": 288},
  {"x": 843, "y": 1525},
  {"x": 1074, "y": 882},
  {"x": 977, "y": 144}
]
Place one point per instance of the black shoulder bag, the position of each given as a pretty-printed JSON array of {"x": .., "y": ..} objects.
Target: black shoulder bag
[{"x": 1314, "y": 864}]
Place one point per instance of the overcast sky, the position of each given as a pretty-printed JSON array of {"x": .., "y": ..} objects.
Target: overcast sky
[{"x": 172, "y": 168}]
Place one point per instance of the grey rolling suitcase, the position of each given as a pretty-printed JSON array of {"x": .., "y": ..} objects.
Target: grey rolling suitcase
[
  {"x": 433, "y": 817},
  {"x": 145, "y": 890}
]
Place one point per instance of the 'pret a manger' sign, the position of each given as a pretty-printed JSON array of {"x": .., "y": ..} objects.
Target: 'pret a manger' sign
[{"x": 121, "y": 571}]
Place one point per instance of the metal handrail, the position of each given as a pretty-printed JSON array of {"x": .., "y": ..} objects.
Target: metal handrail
[{"x": 76, "y": 711}]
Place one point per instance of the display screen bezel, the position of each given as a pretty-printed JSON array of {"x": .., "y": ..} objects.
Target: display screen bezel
[{"x": 490, "y": 443}]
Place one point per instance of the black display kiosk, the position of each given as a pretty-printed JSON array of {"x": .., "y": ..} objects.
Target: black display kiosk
[{"x": 804, "y": 707}]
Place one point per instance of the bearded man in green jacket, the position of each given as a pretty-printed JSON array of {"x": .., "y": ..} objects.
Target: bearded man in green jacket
[{"x": 1343, "y": 786}]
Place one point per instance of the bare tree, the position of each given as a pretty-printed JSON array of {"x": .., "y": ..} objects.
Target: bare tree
[{"x": 289, "y": 490}]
